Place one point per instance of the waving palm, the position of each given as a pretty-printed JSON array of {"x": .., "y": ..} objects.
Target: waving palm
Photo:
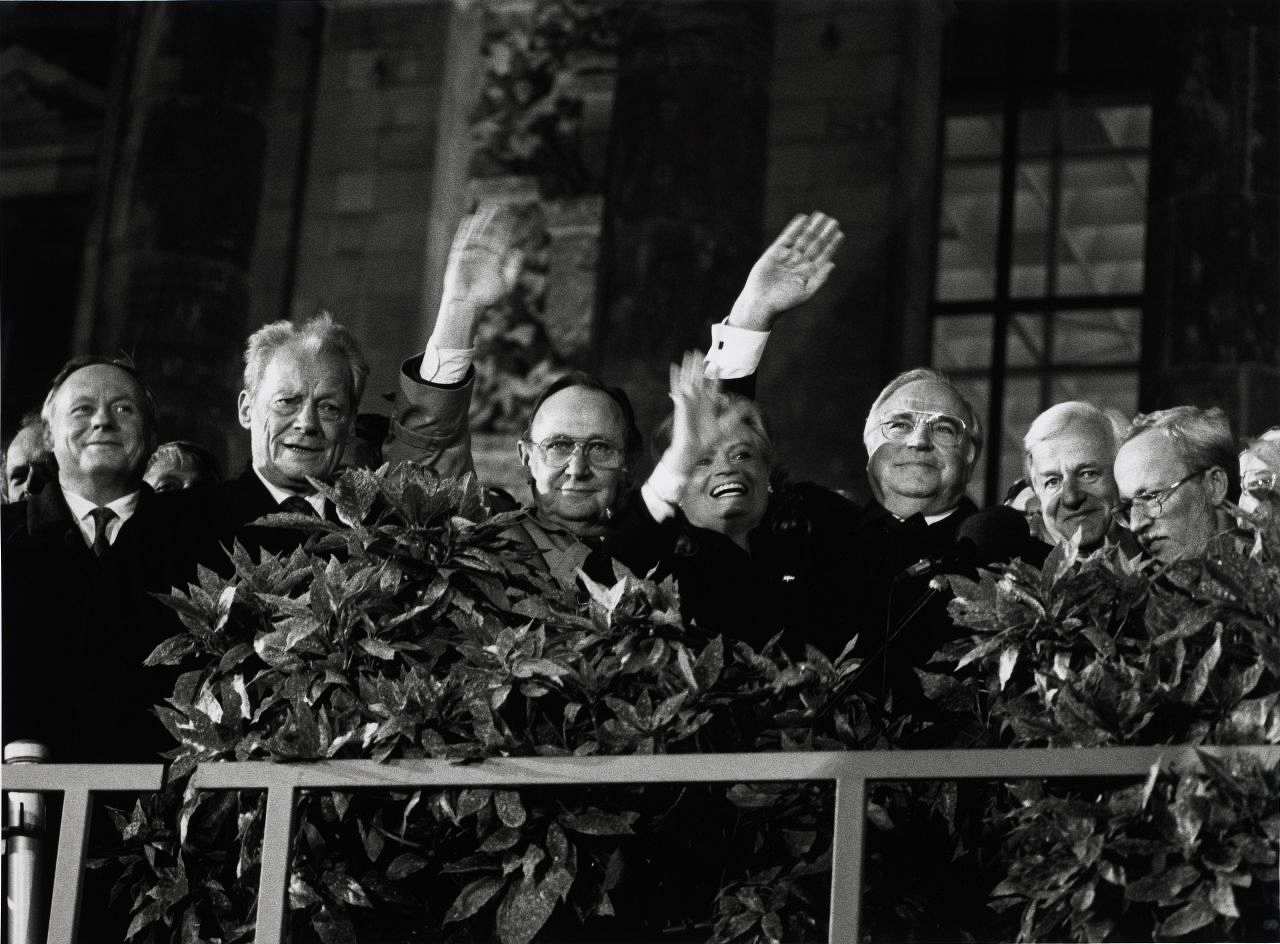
[{"x": 790, "y": 271}]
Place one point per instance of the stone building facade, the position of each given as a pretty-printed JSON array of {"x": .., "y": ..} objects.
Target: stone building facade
[{"x": 175, "y": 175}]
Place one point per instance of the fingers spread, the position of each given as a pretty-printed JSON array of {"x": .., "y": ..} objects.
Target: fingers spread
[{"x": 823, "y": 235}]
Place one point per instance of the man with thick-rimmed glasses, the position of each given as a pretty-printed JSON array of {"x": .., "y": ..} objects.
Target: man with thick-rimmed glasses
[{"x": 1174, "y": 469}]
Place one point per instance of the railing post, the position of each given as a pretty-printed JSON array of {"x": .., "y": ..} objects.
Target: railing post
[
  {"x": 273, "y": 874},
  {"x": 24, "y": 852},
  {"x": 847, "y": 856}
]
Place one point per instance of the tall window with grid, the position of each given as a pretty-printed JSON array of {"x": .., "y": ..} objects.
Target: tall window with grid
[{"x": 1041, "y": 235}]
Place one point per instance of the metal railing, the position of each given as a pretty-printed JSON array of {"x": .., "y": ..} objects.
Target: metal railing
[{"x": 850, "y": 772}]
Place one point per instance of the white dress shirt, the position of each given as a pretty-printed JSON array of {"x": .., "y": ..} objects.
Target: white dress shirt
[
  {"x": 81, "y": 509},
  {"x": 315, "y": 499}
]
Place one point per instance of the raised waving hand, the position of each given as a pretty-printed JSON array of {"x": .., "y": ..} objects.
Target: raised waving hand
[{"x": 789, "y": 272}]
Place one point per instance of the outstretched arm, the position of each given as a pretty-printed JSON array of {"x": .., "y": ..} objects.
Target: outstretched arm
[
  {"x": 483, "y": 267},
  {"x": 696, "y": 404},
  {"x": 786, "y": 275},
  {"x": 431, "y": 418}
]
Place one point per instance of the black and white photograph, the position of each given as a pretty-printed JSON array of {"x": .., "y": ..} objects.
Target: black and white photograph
[{"x": 640, "y": 471}]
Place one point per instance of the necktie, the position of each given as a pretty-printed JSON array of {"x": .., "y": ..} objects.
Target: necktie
[
  {"x": 101, "y": 518},
  {"x": 299, "y": 506}
]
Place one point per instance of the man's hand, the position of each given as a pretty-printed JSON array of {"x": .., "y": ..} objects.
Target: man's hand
[
  {"x": 483, "y": 267},
  {"x": 789, "y": 272}
]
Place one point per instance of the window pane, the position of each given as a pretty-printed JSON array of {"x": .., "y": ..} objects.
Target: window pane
[
  {"x": 967, "y": 232},
  {"x": 1021, "y": 406},
  {"x": 977, "y": 390},
  {"x": 1110, "y": 391},
  {"x": 1030, "y": 229},
  {"x": 1097, "y": 337},
  {"x": 962, "y": 342},
  {"x": 1086, "y": 127},
  {"x": 1026, "y": 341}
]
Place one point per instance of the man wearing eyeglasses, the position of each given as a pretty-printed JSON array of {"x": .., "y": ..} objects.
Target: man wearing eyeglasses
[
  {"x": 1259, "y": 473},
  {"x": 922, "y": 439},
  {"x": 578, "y": 448},
  {"x": 1174, "y": 469}
]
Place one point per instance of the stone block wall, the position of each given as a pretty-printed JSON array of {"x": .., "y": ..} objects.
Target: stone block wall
[{"x": 368, "y": 186}]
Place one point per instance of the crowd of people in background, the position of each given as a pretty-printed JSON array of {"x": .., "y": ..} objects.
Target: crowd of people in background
[{"x": 101, "y": 516}]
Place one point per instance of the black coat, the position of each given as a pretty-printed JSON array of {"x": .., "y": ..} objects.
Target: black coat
[
  {"x": 216, "y": 516},
  {"x": 795, "y": 580},
  {"x": 77, "y": 628}
]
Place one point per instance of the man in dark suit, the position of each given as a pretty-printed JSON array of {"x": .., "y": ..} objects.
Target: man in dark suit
[
  {"x": 302, "y": 388},
  {"x": 923, "y": 438},
  {"x": 80, "y": 558}
]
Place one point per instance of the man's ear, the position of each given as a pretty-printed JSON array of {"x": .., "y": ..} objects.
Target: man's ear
[
  {"x": 242, "y": 409},
  {"x": 1218, "y": 483},
  {"x": 523, "y": 452}
]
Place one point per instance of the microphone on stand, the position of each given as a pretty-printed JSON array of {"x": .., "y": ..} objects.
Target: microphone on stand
[
  {"x": 994, "y": 535},
  {"x": 24, "y": 852}
]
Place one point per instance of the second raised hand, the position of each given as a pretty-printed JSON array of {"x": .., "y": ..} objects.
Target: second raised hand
[
  {"x": 483, "y": 267},
  {"x": 789, "y": 272},
  {"x": 696, "y": 406}
]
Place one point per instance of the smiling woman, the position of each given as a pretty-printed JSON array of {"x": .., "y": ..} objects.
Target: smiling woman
[{"x": 753, "y": 555}]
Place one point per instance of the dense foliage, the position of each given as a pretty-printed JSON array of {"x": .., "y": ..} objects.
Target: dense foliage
[
  {"x": 1106, "y": 650},
  {"x": 432, "y": 628}
]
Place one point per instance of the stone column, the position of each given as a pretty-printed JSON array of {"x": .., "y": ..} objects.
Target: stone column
[
  {"x": 1212, "y": 325},
  {"x": 685, "y": 200}
]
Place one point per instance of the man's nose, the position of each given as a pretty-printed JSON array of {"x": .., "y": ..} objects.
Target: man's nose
[
  {"x": 1072, "y": 493},
  {"x": 104, "y": 417},
  {"x": 578, "y": 466},
  {"x": 921, "y": 436},
  {"x": 307, "y": 418}
]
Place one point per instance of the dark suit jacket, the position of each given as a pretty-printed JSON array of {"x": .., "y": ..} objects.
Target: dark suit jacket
[
  {"x": 429, "y": 426},
  {"x": 77, "y": 628},
  {"x": 794, "y": 580}
]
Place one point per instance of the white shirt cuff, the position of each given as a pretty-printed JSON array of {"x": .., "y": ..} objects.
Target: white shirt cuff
[
  {"x": 662, "y": 492},
  {"x": 445, "y": 365},
  {"x": 735, "y": 352}
]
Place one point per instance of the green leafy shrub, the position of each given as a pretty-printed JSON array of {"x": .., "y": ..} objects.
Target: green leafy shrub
[
  {"x": 1107, "y": 650},
  {"x": 431, "y": 628}
]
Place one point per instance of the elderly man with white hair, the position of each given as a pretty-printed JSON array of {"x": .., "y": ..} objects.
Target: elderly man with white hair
[
  {"x": 1174, "y": 470},
  {"x": 1068, "y": 453}
]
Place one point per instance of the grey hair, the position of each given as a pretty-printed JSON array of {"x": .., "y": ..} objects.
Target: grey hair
[
  {"x": 1063, "y": 416},
  {"x": 1201, "y": 437},
  {"x": 319, "y": 333},
  {"x": 1264, "y": 450},
  {"x": 972, "y": 422}
]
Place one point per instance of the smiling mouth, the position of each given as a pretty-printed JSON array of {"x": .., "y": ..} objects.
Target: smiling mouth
[
  {"x": 728, "y": 489},
  {"x": 299, "y": 448}
]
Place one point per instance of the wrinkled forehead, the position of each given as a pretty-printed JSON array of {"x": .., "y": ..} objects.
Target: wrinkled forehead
[
  {"x": 1252, "y": 462},
  {"x": 1149, "y": 460},
  {"x": 1073, "y": 447},
  {"x": 579, "y": 412},
  {"x": 924, "y": 396},
  {"x": 297, "y": 368},
  {"x": 100, "y": 381}
]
